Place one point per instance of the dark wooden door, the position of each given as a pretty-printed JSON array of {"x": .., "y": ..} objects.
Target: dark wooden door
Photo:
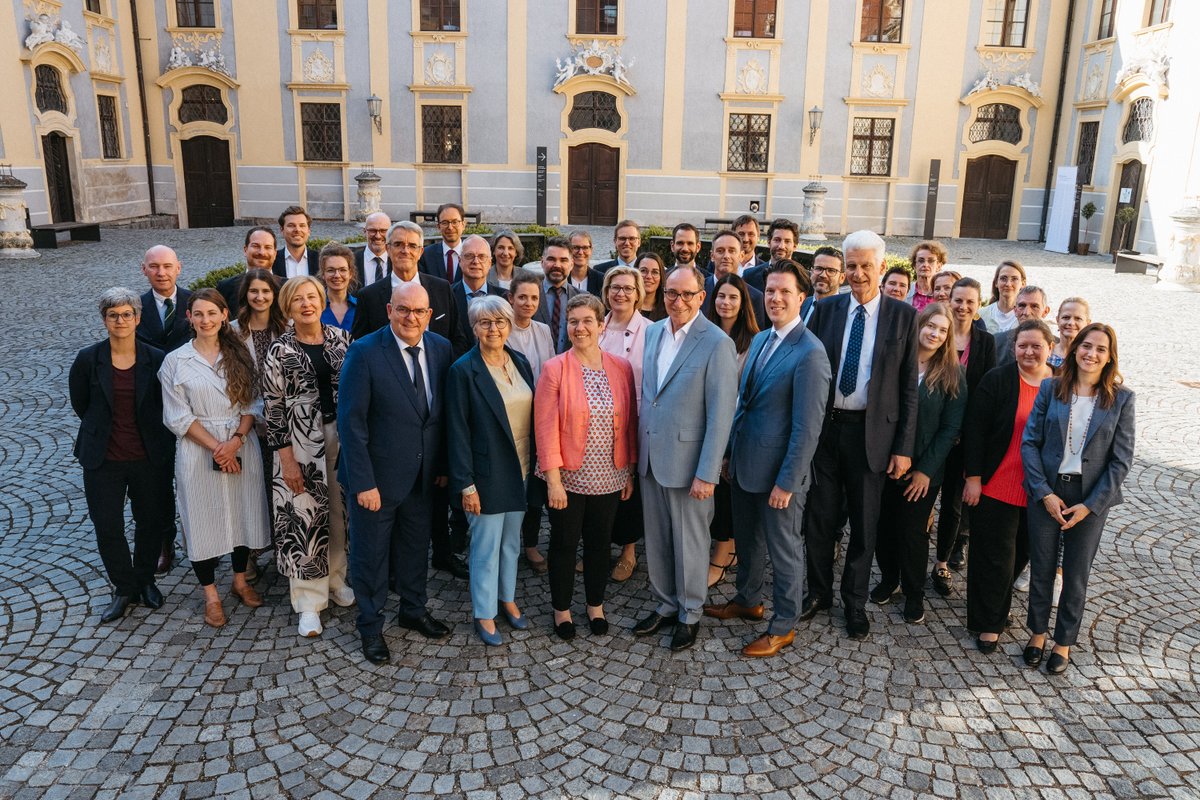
[
  {"x": 1123, "y": 236},
  {"x": 207, "y": 182},
  {"x": 593, "y": 175},
  {"x": 58, "y": 177},
  {"x": 987, "y": 197}
]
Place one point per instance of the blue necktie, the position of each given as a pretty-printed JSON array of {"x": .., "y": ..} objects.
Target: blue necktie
[{"x": 849, "y": 380}]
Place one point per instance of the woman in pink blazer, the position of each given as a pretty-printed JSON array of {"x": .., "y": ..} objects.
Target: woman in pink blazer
[{"x": 585, "y": 419}]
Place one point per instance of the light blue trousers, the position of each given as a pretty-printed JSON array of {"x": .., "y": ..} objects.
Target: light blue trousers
[{"x": 495, "y": 545}]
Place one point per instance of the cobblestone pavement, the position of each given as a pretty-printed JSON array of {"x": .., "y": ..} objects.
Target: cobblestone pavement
[{"x": 160, "y": 705}]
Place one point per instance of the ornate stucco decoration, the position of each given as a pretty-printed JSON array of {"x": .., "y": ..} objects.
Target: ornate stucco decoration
[
  {"x": 593, "y": 59},
  {"x": 102, "y": 57},
  {"x": 878, "y": 82},
  {"x": 439, "y": 70},
  {"x": 752, "y": 78},
  {"x": 1148, "y": 60},
  {"x": 43, "y": 29},
  {"x": 1093, "y": 85},
  {"x": 197, "y": 49},
  {"x": 991, "y": 80},
  {"x": 318, "y": 68}
]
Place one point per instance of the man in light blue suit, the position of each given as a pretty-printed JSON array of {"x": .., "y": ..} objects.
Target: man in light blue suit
[
  {"x": 689, "y": 391},
  {"x": 781, "y": 408}
]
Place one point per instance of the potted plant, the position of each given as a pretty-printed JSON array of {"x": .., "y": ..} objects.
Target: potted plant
[
  {"x": 1125, "y": 217},
  {"x": 1087, "y": 212}
]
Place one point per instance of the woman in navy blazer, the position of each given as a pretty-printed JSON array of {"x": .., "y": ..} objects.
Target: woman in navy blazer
[
  {"x": 124, "y": 449},
  {"x": 1077, "y": 450},
  {"x": 489, "y": 415}
]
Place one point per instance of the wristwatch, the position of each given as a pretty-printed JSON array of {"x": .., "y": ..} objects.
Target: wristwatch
[
  {"x": 240, "y": 435},
  {"x": 470, "y": 490}
]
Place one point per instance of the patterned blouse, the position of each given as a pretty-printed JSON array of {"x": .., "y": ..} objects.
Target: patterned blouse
[{"x": 597, "y": 475}]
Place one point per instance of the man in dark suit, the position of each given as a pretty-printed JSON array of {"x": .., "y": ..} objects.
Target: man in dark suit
[
  {"x": 556, "y": 290},
  {"x": 726, "y": 251},
  {"x": 404, "y": 243},
  {"x": 296, "y": 258},
  {"x": 259, "y": 253},
  {"x": 746, "y": 228},
  {"x": 827, "y": 274},
  {"x": 1031, "y": 304},
  {"x": 781, "y": 238},
  {"x": 476, "y": 264},
  {"x": 164, "y": 324},
  {"x": 582, "y": 276},
  {"x": 781, "y": 408},
  {"x": 870, "y": 426},
  {"x": 627, "y": 238},
  {"x": 390, "y": 422},
  {"x": 371, "y": 263},
  {"x": 442, "y": 258}
]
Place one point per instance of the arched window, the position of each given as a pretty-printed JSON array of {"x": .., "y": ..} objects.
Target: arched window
[
  {"x": 594, "y": 110},
  {"x": 1140, "y": 125},
  {"x": 996, "y": 121},
  {"x": 202, "y": 103},
  {"x": 49, "y": 93}
]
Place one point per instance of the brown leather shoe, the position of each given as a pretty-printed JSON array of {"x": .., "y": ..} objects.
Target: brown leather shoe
[
  {"x": 248, "y": 596},
  {"x": 623, "y": 570},
  {"x": 768, "y": 645},
  {"x": 166, "y": 558},
  {"x": 732, "y": 610},
  {"x": 214, "y": 613}
]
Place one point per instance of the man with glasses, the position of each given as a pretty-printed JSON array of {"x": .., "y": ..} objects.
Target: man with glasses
[
  {"x": 476, "y": 265},
  {"x": 827, "y": 274},
  {"x": 371, "y": 263},
  {"x": 689, "y": 391},
  {"x": 627, "y": 238},
  {"x": 582, "y": 276},
  {"x": 442, "y": 258},
  {"x": 392, "y": 460}
]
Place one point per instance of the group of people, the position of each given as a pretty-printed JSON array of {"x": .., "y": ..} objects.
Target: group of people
[{"x": 347, "y": 412}]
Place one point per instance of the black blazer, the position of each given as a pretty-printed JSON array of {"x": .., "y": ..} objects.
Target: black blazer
[
  {"x": 605, "y": 266},
  {"x": 892, "y": 394},
  {"x": 150, "y": 327},
  {"x": 939, "y": 422},
  {"x": 459, "y": 292},
  {"x": 359, "y": 268},
  {"x": 481, "y": 445},
  {"x": 91, "y": 389},
  {"x": 280, "y": 268},
  {"x": 982, "y": 358},
  {"x": 433, "y": 262},
  {"x": 229, "y": 287},
  {"x": 756, "y": 302},
  {"x": 991, "y": 413},
  {"x": 372, "y": 311}
]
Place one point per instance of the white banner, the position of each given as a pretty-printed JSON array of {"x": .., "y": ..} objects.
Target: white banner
[{"x": 1062, "y": 210}]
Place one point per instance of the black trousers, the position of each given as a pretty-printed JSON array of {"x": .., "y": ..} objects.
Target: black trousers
[
  {"x": 629, "y": 526},
  {"x": 999, "y": 552},
  {"x": 953, "y": 517},
  {"x": 449, "y": 525},
  {"x": 902, "y": 548},
  {"x": 206, "y": 570},
  {"x": 841, "y": 474},
  {"x": 721, "y": 527},
  {"x": 531, "y": 526},
  {"x": 151, "y": 496},
  {"x": 589, "y": 516},
  {"x": 393, "y": 539}
]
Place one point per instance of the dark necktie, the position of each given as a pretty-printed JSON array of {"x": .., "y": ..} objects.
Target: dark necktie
[
  {"x": 556, "y": 314},
  {"x": 849, "y": 380},
  {"x": 450, "y": 266},
  {"x": 378, "y": 268},
  {"x": 761, "y": 364},
  {"x": 168, "y": 314},
  {"x": 418, "y": 381}
]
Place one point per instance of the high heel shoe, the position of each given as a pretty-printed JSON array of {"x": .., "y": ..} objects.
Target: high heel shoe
[
  {"x": 490, "y": 639},
  {"x": 517, "y": 623},
  {"x": 724, "y": 570}
]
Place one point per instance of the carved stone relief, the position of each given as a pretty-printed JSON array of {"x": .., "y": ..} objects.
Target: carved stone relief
[
  {"x": 752, "y": 78},
  {"x": 318, "y": 68}
]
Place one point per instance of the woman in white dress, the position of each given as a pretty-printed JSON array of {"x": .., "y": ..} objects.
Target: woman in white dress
[{"x": 209, "y": 403}]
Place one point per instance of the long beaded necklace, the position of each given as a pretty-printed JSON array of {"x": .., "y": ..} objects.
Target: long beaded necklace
[{"x": 1075, "y": 398}]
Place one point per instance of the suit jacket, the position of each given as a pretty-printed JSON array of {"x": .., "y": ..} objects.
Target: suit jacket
[
  {"x": 371, "y": 313},
  {"x": 543, "y": 315},
  {"x": 780, "y": 413},
  {"x": 91, "y": 389},
  {"x": 595, "y": 283},
  {"x": 982, "y": 358},
  {"x": 562, "y": 412},
  {"x": 1107, "y": 447},
  {"x": 482, "y": 451},
  {"x": 892, "y": 393},
  {"x": 360, "y": 269},
  {"x": 756, "y": 276},
  {"x": 386, "y": 443},
  {"x": 683, "y": 428},
  {"x": 756, "y": 302},
  {"x": 605, "y": 266},
  {"x": 991, "y": 413},
  {"x": 433, "y": 262},
  {"x": 459, "y": 292},
  {"x": 280, "y": 268},
  {"x": 939, "y": 422},
  {"x": 1005, "y": 345},
  {"x": 150, "y": 326}
]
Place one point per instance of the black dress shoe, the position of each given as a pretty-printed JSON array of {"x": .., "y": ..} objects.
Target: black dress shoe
[
  {"x": 151, "y": 596},
  {"x": 652, "y": 624},
  {"x": 987, "y": 648},
  {"x": 117, "y": 608},
  {"x": 812, "y": 605},
  {"x": 375, "y": 650},
  {"x": 454, "y": 564},
  {"x": 565, "y": 630},
  {"x": 1057, "y": 664},
  {"x": 1032, "y": 656},
  {"x": 598, "y": 626},
  {"x": 857, "y": 624},
  {"x": 166, "y": 558},
  {"x": 882, "y": 595},
  {"x": 425, "y": 625},
  {"x": 684, "y": 636},
  {"x": 958, "y": 556}
]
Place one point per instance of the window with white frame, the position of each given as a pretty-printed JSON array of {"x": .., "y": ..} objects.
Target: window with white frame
[
  {"x": 871, "y": 146},
  {"x": 749, "y": 142},
  {"x": 1006, "y": 23}
]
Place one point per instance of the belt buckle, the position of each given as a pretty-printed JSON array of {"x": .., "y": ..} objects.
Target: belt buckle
[{"x": 1068, "y": 478}]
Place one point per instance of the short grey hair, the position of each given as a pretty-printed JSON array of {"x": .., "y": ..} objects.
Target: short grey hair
[
  {"x": 120, "y": 296},
  {"x": 408, "y": 226},
  {"x": 489, "y": 307},
  {"x": 1029, "y": 289},
  {"x": 865, "y": 240},
  {"x": 516, "y": 242}
]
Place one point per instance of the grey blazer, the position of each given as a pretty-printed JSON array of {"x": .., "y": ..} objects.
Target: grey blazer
[
  {"x": 683, "y": 428},
  {"x": 1107, "y": 448},
  {"x": 779, "y": 414}
]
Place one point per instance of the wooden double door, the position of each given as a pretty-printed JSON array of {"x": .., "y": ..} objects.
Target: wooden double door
[
  {"x": 58, "y": 177},
  {"x": 207, "y": 182},
  {"x": 987, "y": 197},
  {"x": 593, "y": 178}
]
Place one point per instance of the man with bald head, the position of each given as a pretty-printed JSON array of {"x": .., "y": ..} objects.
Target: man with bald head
[
  {"x": 390, "y": 400},
  {"x": 371, "y": 262}
]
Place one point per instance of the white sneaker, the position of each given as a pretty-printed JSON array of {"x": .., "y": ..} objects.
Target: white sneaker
[
  {"x": 1057, "y": 590},
  {"x": 342, "y": 596},
  {"x": 1021, "y": 584},
  {"x": 310, "y": 624}
]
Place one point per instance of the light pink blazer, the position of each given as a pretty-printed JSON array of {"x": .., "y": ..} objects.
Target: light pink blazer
[
  {"x": 628, "y": 344},
  {"x": 561, "y": 413}
]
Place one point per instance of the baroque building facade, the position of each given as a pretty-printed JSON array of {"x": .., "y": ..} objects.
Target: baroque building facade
[{"x": 658, "y": 110}]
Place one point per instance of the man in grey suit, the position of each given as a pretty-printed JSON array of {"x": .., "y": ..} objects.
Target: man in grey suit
[
  {"x": 776, "y": 427},
  {"x": 1032, "y": 303},
  {"x": 689, "y": 390}
]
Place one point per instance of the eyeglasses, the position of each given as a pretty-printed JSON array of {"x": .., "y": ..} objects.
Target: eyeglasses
[
  {"x": 376, "y": 231},
  {"x": 629, "y": 238},
  {"x": 687, "y": 297},
  {"x": 404, "y": 246},
  {"x": 622, "y": 290},
  {"x": 647, "y": 271},
  {"x": 336, "y": 271},
  {"x": 123, "y": 316},
  {"x": 446, "y": 223},
  {"x": 475, "y": 258},
  {"x": 492, "y": 324},
  {"x": 581, "y": 247},
  {"x": 405, "y": 311},
  {"x": 824, "y": 270}
]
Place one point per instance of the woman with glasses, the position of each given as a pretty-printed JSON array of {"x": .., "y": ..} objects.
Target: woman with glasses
[
  {"x": 336, "y": 273},
  {"x": 1000, "y": 314},
  {"x": 653, "y": 273}
]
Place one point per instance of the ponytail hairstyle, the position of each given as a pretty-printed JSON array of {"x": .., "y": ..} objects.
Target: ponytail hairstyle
[
  {"x": 1110, "y": 376},
  {"x": 237, "y": 365},
  {"x": 944, "y": 374}
]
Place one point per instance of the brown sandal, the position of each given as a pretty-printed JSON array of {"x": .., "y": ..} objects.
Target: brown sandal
[{"x": 248, "y": 596}]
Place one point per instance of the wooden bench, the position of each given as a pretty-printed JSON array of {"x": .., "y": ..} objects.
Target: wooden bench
[
  {"x": 1135, "y": 263},
  {"x": 45, "y": 237},
  {"x": 430, "y": 217}
]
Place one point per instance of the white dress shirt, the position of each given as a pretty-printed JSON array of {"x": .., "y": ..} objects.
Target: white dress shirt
[
  {"x": 369, "y": 265},
  {"x": 581, "y": 285},
  {"x": 397, "y": 281},
  {"x": 291, "y": 266},
  {"x": 668, "y": 347},
  {"x": 408, "y": 364},
  {"x": 858, "y": 400},
  {"x": 457, "y": 259},
  {"x": 161, "y": 303}
]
